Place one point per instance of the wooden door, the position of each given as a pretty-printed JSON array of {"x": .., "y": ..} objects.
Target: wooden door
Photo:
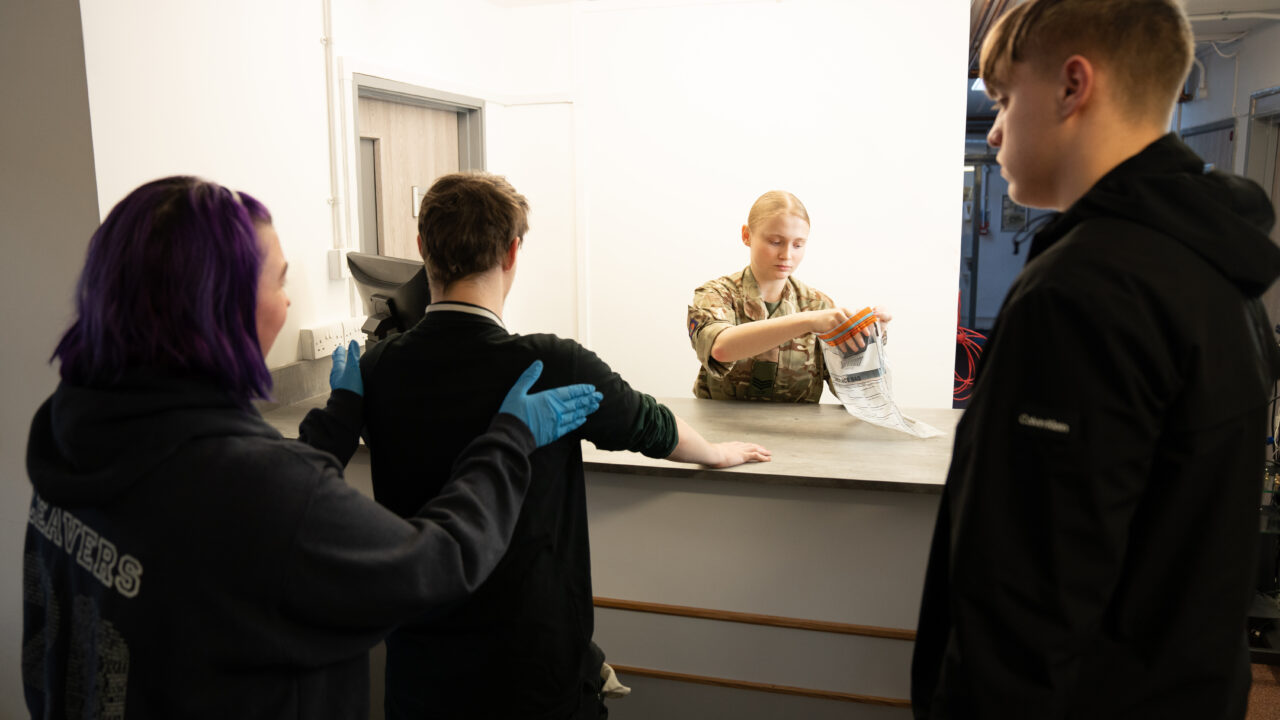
[{"x": 415, "y": 146}]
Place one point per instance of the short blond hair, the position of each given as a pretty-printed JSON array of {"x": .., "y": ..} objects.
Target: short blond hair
[
  {"x": 775, "y": 202},
  {"x": 1146, "y": 45}
]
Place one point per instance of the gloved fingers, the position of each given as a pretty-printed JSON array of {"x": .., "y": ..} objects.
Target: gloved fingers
[
  {"x": 339, "y": 368},
  {"x": 526, "y": 379},
  {"x": 572, "y": 399},
  {"x": 573, "y": 420},
  {"x": 353, "y": 352},
  {"x": 574, "y": 393}
]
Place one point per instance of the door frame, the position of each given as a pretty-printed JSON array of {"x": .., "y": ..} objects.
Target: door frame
[
  {"x": 1264, "y": 135},
  {"x": 471, "y": 145}
]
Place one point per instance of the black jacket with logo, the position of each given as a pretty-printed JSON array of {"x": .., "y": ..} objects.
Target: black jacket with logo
[
  {"x": 1094, "y": 550},
  {"x": 183, "y": 560}
]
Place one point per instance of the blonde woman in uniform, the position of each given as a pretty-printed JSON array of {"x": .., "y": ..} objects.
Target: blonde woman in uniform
[{"x": 755, "y": 331}]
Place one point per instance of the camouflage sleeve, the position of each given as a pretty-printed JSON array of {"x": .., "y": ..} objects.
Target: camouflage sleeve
[{"x": 710, "y": 313}]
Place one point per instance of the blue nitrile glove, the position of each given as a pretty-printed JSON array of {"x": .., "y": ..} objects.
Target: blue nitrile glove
[
  {"x": 345, "y": 374},
  {"x": 550, "y": 414}
]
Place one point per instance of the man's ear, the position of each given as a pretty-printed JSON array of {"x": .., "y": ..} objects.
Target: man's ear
[
  {"x": 509, "y": 259},
  {"x": 1076, "y": 84},
  {"x": 422, "y": 248}
]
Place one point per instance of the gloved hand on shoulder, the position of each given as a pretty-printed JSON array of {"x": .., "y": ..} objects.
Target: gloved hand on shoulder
[
  {"x": 345, "y": 374},
  {"x": 550, "y": 414}
]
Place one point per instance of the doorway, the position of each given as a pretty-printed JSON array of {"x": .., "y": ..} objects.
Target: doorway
[{"x": 408, "y": 136}]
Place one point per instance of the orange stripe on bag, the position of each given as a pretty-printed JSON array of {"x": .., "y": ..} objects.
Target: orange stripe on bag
[{"x": 860, "y": 321}]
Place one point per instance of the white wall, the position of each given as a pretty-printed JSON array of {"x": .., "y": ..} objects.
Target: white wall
[
  {"x": 233, "y": 91},
  {"x": 1259, "y": 69},
  {"x": 464, "y": 46},
  {"x": 532, "y": 145},
  {"x": 641, "y": 133},
  {"x": 689, "y": 111},
  {"x": 516, "y": 60},
  {"x": 657, "y": 108},
  {"x": 49, "y": 207}
]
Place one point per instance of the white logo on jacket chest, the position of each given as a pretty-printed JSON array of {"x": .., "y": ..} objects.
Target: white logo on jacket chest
[{"x": 1057, "y": 426}]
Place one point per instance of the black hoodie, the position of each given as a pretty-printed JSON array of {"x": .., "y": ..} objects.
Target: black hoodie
[
  {"x": 184, "y": 560},
  {"x": 1093, "y": 556}
]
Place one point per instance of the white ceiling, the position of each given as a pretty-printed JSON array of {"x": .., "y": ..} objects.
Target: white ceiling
[{"x": 1217, "y": 30}]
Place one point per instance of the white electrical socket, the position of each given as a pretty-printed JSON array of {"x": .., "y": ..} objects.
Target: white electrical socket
[{"x": 320, "y": 341}]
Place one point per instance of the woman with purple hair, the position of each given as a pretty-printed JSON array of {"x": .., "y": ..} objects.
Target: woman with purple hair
[{"x": 182, "y": 558}]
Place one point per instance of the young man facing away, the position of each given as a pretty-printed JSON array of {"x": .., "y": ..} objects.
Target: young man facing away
[
  {"x": 1093, "y": 555},
  {"x": 521, "y": 646}
]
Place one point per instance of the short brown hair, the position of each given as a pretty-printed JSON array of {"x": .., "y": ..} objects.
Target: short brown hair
[
  {"x": 1146, "y": 45},
  {"x": 467, "y": 222}
]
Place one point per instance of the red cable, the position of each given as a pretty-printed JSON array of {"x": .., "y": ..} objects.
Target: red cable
[{"x": 967, "y": 339}]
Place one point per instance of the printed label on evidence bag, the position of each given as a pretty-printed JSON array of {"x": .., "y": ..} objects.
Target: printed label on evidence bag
[{"x": 863, "y": 383}]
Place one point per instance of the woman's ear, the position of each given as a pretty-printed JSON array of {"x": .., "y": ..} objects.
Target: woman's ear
[{"x": 746, "y": 236}]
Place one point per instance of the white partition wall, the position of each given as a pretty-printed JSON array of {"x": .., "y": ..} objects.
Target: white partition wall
[
  {"x": 691, "y": 110},
  {"x": 641, "y": 130},
  {"x": 532, "y": 145}
]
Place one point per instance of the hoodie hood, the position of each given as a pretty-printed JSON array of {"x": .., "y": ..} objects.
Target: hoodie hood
[
  {"x": 88, "y": 445},
  {"x": 1225, "y": 219}
]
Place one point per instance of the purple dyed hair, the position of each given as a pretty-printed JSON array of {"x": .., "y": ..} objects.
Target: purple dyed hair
[{"x": 171, "y": 283}]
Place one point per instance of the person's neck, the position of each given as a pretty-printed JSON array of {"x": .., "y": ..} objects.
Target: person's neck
[
  {"x": 1097, "y": 151},
  {"x": 770, "y": 290},
  {"x": 483, "y": 289}
]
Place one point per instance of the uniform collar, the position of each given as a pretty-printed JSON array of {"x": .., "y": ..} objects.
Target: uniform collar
[
  {"x": 751, "y": 288},
  {"x": 468, "y": 308}
]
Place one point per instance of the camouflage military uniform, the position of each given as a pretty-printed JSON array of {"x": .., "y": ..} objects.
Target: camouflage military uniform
[{"x": 791, "y": 372}]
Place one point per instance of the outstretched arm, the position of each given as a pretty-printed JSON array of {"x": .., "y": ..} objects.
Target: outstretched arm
[{"x": 693, "y": 448}]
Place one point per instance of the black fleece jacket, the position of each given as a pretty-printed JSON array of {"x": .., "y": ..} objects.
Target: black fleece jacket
[
  {"x": 427, "y": 393},
  {"x": 184, "y": 560},
  {"x": 1093, "y": 556}
]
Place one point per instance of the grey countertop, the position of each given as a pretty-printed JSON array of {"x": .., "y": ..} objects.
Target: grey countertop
[
  {"x": 818, "y": 445},
  {"x": 814, "y": 445}
]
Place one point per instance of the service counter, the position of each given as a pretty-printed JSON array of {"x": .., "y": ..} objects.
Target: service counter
[{"x": 772, "y": 590}]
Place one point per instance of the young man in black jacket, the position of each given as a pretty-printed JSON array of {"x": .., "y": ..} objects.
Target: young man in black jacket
[
  {"x": 521, "y": 646},
  {"x": 1093, "y": 555}
]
